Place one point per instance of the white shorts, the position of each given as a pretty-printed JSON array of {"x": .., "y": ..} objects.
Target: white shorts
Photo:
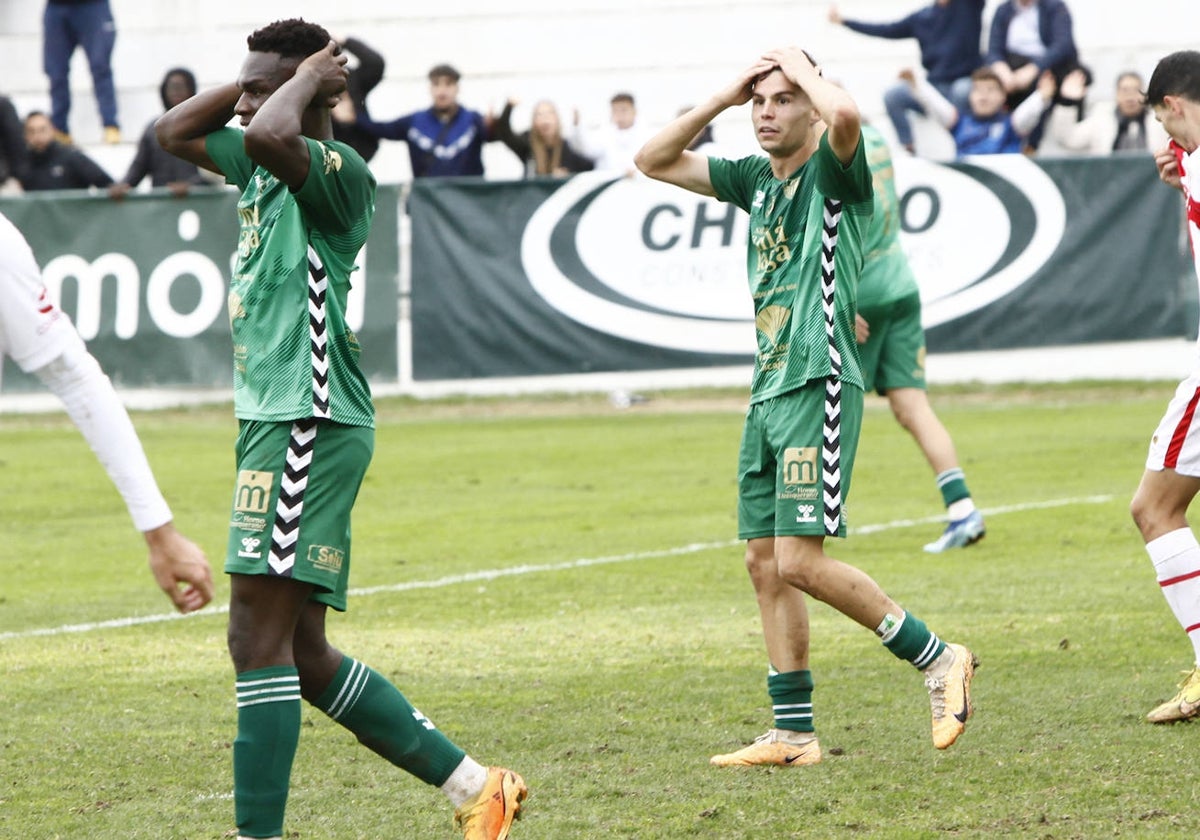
[
  {"x": 33, "y": 330},
  {"x": 1176, "y": 442}
]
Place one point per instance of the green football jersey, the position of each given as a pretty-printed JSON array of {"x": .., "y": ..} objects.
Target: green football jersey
[
  {"x": 784, "y": 262},
  {"x": 294, "y": 355},
  {"x": 886, "y": 275}
]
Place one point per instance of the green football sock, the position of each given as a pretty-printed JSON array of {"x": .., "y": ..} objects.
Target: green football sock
[
  {"x": 268, "y": 729},
  {"x": 953, "y": 484},
  {"x": 908, "y": 638},
  {"x": 385, "y": 722},
  {"x": 791, "y": 699}
]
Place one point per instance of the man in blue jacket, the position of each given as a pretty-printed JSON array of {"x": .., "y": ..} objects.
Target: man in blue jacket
[
  {"x": 948, "y": 33},
  {"x": 444, "y": 139}
]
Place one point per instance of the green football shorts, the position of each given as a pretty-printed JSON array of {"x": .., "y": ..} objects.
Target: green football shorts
[
  {"x": 781, "y": 489},
  {"x": 894, "y": 354},
  {"x": 296, "y": 485}
]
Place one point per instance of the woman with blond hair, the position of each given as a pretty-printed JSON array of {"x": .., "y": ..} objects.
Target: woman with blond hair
[{"x": 541, "y": 149}]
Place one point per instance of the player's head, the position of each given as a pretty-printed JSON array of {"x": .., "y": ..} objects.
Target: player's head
[
  {"x": 39, "y": 131},
  {"x": 443, "y": 87},
  {"x": 1174, "y": 95},
  {"x": 782, "y": 113},
  {"x": 276, "y": 51},
  {"x": 178, "y": 85},
  {"x": 987, "y": 94}
]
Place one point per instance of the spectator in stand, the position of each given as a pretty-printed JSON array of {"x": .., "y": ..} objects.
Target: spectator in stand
[
  {"x": 14, "y": 156},
  {"x": 54, "y": 166},
  {"x": 612, "y": 147},
  {"x": 66, "y": 25},
  {"x": 948, "y": 33},
  {"x": 1027, "y": 38},
  {"x": 164, "y": 169},
  {"x": 1125, "y": 125},
  {"x": 987, "y": 127},
  {"x": 444, "y": 139},
  {"x": 364, "y": 77},
  {"x": 542, "y": 149}
]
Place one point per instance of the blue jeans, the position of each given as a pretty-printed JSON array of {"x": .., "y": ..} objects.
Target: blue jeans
[
  {"x": 899, "y": 100},
  {"x": 89, "y": 25}
]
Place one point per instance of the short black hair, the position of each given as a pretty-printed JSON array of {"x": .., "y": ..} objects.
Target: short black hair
[
  {"x": 622, "y": 96},
  {"x": 291, "y": 38},
  {"x": 444, "y": 71},
  {"x": 1178, "y": 74}
]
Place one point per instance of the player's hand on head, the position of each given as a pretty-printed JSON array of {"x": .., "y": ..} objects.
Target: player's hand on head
[{"x": 328, "y": 66}]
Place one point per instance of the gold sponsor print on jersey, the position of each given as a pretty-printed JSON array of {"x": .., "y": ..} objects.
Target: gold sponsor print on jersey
[{"x": 327, "y": 557}]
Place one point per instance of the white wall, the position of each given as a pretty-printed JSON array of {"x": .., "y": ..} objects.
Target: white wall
[{"x": 669, "y": 53}]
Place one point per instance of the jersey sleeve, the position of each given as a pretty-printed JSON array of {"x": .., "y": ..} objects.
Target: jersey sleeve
[
  {"x": 850, "y": 182},
  {"x": 227, "y": 149},
  {"x": 734, "y": 181},
  {"x": 339, "y": 191}
]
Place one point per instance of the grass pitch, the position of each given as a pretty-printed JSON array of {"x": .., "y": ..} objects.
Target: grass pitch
[{"x": 556, "y": 584}]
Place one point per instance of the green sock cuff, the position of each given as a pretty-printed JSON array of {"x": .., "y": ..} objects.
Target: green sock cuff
[
  {"x": 915, "y": 643},
  {"x": 953, "y": 485},
  {"x": 791, "y": 700}
]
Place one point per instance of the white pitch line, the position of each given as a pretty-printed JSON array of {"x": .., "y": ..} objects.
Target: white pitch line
[{"x": 511, "y": 571}]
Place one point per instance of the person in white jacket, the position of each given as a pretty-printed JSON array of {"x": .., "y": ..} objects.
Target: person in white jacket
[{"x": 1123, "y": 125}]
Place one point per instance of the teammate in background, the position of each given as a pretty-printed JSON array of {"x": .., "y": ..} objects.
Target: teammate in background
[
  {"x": 1172, "y": 476},
  {"x": 306, "y": 431},
  {"x": 892, "y": 346},
  {"x": 809, "y": 202},
  {"x": 39, "y": 337}
]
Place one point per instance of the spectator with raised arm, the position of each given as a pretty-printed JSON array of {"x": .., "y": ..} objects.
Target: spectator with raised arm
[
  {"x": 948, "y": 33},
  {"x": 986, "y": 127},
  {"x": 541, "y": 149},
  {"x": 445, "y": 138},
  {"x": 365, "y": 75},
  {"x": 1122, "y": 125}
]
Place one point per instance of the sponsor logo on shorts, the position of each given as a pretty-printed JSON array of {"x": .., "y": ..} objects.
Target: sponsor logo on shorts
[
  {"x": 253, "y": 491},
  {"x": 801, "y": 474},
  {"x": 806, "y": 513},
  {"x": 250, "y": 548},
  {"x": 327, "y": 557},
  {"x": 243, "y": 522}
]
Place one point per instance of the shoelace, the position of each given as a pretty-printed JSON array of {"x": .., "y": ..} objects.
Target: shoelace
[{"x": 937, "y": 695}]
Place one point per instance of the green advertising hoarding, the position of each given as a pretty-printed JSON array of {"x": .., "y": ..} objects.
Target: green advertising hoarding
[{"x": 145, "y": 282}]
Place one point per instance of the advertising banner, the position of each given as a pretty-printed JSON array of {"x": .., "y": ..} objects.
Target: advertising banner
[
  {"x": 145, "y": 282},
  {"x": 597, "y": 273}
]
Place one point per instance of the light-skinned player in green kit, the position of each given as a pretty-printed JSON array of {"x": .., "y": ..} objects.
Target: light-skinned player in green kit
[
  {"x": 810, "y": 201},
  {"x": 306, "y": 432}
]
